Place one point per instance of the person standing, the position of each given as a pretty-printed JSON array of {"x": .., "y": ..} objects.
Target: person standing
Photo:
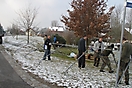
[
  {"x": 98, "y": 47},
  {"x": 81, "y": 51},
  {"x": 124, "y": 61},
  {"x": 105, "y": 58},
  {"x": 45, "y": 37},
  {"x": 54, "y": 42},
  {"x": 47, "y": 47},
  {"x": 54, "y": 39},
  {"x": 2, "y": 32}
]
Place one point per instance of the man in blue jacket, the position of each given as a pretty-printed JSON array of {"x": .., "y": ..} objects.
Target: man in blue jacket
[{"x": 81, "y": 51}]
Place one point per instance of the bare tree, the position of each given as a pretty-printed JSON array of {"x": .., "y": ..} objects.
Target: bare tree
[
  {"x": 54, "y": 23},
  {"x": 129, "y": 23},
  {"x": 116, "y": 25},
  {"x": 129, "y": 18},
  {"x": 70, "y": 37},
  {"x": 14, "y": 30},
  {"x": 26, "y": 18},
  {"x": 116, "y": 16}
]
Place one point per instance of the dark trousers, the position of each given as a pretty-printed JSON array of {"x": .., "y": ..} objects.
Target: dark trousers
[
  {"x": 47, "y": 54},
  {"x": 105, "y": 61},
  {"x": 54, "y": 46},
  {"x": 81, "y": 61},
  {"x": 96, "y": 59},
  {"x": 123, "y": 66},
  {"x": 0, "y": 39}
]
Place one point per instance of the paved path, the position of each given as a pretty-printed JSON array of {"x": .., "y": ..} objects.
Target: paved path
[
  {"x": 13, "y": 76},
  {"x": 8, "y": 77}
]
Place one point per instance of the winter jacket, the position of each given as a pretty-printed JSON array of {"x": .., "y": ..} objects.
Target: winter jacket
[
  {"x": 47, "y": 44},
  {"x": 81, "y": 45},
  {"x": 2, "y": 32},
  {"x": 54, "y": 40},
  {"x": 107, "y": 51},
  {"x": 126, "y": 52},
  {"x": 97, "y": 44}
]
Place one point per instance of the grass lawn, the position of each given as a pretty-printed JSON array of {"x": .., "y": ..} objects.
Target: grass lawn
[{"x": 63, "y": 53}]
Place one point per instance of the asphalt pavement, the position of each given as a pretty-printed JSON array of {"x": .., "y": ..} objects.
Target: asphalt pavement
[
  {"x": 13, "y": 76},
  {"x": 8, "y": 76}
]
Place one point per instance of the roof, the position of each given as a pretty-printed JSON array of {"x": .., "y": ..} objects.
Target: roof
[{"x": 56, "y": 28}]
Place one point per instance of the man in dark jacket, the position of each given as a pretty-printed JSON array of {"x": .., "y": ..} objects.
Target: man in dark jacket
[
  {"x": 125, "y": 59},
  {"x": 47, "y": 47},
  {"x": 105, "y": 58},
  {"x": 2, "y": 32},
  {"x": 81, "y": 51}
]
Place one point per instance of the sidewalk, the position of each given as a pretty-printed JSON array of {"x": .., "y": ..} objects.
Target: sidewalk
[
  {"x": 13, "y": 76},
  {"x": 8, "y": 77}
]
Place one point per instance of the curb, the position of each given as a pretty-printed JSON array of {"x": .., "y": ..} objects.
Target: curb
[{"x": 22, "y": 73}]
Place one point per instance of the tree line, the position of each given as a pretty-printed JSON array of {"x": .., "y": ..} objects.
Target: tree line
[{"x": 90, "y": 17}]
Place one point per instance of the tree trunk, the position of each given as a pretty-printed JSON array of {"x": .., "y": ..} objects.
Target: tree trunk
[{"x": 28, "y": 37}]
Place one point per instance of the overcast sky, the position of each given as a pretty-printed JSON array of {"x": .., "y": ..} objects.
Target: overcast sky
[{"x": 49, "y": 10}]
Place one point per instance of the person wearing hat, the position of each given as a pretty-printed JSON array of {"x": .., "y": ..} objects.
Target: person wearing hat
[
  {"x": 124, "y": 61},
  {"x": 105, "y": 58},
  {"x": 81, "y": 51}
]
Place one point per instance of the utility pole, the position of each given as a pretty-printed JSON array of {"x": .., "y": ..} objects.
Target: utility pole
[{"x": 122, "y": 33}]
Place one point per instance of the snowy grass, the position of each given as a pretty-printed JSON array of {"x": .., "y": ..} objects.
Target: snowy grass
[{"x": 29, "y": 56}]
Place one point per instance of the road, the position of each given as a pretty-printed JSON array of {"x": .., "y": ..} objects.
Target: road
[
  {"x": 8, "y": 77},
  {"x": 13, "y": 76}
]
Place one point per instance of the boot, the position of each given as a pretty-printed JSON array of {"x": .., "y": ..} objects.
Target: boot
[
  {"x": 126, "y": 82},
  {"x": 97, "y": 65},
  {"x": 102, "y": 71},
  {"x": 111, "y": 71},
  {"x": 94, "y": 64}
]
